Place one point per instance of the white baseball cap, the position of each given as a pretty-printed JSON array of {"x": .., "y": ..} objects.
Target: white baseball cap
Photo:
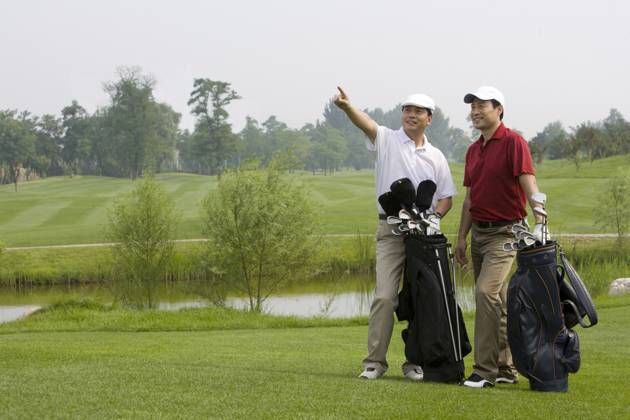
[
  {"x": 420, "y": 100},
  {"x": 485, "y": 93}
]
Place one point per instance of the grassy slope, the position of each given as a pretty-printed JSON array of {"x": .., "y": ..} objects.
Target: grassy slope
[
  {"x": 65, "y": 211},
  {"x": 280, "y": 373}
]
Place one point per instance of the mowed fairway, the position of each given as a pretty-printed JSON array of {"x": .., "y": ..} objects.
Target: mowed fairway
[
  {"x": 282, "y": 373},
  {"x": 74, "y": 210}
]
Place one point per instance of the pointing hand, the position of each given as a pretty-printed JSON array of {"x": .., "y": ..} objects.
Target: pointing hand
[{"x": 342, "y": 100}]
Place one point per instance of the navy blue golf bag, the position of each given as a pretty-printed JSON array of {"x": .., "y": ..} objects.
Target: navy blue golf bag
[
  {"x": 543, "y": 306},
  {"x": 435, "y": 337}
]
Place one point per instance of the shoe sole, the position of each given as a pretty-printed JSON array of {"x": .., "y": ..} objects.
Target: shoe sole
[{"x": 506, "y": 381}]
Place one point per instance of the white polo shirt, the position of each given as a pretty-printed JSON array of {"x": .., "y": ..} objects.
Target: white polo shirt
[{"x": 398, "y": 157}]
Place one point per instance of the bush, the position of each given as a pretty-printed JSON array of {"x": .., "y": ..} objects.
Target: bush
[
  {"x": 262, "y": 230},
  {"x": 143, "y": 224}
]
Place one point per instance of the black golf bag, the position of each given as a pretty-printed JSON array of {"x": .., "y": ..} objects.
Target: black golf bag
[
  {"x": 435, "y": 337},
  {"x": 542, "y": 308}
]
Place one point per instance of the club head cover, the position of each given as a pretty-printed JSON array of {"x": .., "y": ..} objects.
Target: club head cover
[
  {"x": 390, "y": 204},
  {"x": 424, "y": 197},
  {"x": 404, "y": 192}
]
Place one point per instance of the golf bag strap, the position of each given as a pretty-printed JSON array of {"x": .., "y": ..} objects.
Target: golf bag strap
[
  {"x": 583, "y": 296},
  {"x": 577, "y": 314}
]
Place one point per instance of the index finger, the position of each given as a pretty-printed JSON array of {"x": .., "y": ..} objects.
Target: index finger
[{"x": 343, "y": 94}]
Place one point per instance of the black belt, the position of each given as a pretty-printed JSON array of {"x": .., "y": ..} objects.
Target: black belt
[
  {"x": 382, "y": 216},
  {"x": 495, "y": 223}
]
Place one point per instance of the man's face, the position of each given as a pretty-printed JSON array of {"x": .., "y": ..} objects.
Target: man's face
[
  {"x": 484, "y": 115},
  {"x": 415, "y": 118}
]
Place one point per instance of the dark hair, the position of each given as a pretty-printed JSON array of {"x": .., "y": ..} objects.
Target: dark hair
[
  {"x": 495, "y": 104},
  {"x": 429, "y": 112}
]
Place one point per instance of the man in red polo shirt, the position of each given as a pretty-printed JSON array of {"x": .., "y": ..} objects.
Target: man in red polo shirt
[{"x": 499, "y": 179}]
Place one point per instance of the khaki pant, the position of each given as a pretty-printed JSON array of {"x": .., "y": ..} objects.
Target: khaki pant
[
  {"x": 390, "y": 262},
  {"x": 491, "y": 265}
]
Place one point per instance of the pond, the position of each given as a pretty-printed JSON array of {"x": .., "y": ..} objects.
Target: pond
[{"x": 346, "y": 297}]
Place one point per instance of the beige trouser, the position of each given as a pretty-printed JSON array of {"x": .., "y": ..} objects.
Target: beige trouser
[
  {"x": 390, "y": 262},
  {"x": 491, "y": 265}
]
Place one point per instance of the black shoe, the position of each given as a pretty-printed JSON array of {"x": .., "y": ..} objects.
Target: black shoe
[
  {"x": 476, "y": 381},
  {"x": 506, "y": 378}
]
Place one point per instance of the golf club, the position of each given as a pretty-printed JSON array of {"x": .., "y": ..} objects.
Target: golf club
[
  {"x": 390, "y": 205},
  {"x": 424, "y": 197},
  {"x": 448, "y": 312}
]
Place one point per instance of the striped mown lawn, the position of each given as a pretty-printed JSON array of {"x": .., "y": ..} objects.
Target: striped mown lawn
[{"x": 63, "y": 210}]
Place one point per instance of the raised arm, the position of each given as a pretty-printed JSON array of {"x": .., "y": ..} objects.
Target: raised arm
[{"x": 358, "y": 118}]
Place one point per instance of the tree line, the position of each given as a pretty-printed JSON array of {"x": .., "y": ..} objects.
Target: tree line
[{"x": 134, "y": 132}]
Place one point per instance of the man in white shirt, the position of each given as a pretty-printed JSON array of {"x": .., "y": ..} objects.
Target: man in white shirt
[{"x": 402, "y": 153}]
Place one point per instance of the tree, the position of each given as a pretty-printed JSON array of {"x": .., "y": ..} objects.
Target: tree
[
  {"x": 548, "y": 142},
  {"x": 17, "y": 142},
  {"x": 617, "y": 131},
  {"x": 213, "y": 137},
  {"x": 261, "y": 228},
  {"x": 143, "y": 224},
  {"x": 133, "y": 122},
  {"x": 48, "y": 145},
  {"x": 613, "y": 205},
  {"x": 76, "y": 142}
]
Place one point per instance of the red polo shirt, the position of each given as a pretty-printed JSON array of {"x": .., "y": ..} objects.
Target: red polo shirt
[{"x": 492, "y": 173}]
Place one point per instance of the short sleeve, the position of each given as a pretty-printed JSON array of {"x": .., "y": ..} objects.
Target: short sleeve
[
  {"x": 445, "y": 185},
  {"x": 521, "y": 158},
  {"x": 381, "y": 134}
]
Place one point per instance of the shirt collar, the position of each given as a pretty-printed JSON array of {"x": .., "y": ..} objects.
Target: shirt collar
[
  {"x": 500, "y": 133},
  {"x": 404, "y": 139}
]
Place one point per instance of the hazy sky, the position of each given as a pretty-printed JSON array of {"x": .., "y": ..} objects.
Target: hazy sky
[{"x": 553, "y": 60}]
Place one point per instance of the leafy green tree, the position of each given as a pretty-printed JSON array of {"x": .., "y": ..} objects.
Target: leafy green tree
[
  {"x": 613, "y": 205},
  {"x": 254, "y": 141},
  {"x": 132, "y": 119},
  {"x": 548, "y": 142},
  {"x": 48, "y": 145},
  {"x": 328, "y": 150},
  {"x": 617, "y": 131},
  {"x": 17, "y": 142},
  {"x": 143, "y": 226},
  {"x": 213, "y": 137},
  {"x": 262, "y": 231},
  {"x": 76, "y": 142}
]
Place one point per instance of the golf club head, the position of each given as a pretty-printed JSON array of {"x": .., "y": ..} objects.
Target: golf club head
[
  {"x": 516, "y": 246},
  {"x": 539, "y": 198},
  {"x": 403, "y": 190},
  {"x": 525, "y": 242},
  {"x": 517, "y": 227},
  {"x": 389, "y": 203},
  {"x": 525, "y": 234},
  {"x": 540, "y": 211},
  {"x": 404, "y": 215},
  {"x": 507, "y": 247},
  {"x": 424, "y": 197},
  {"x": 396, "y": 231},
  {"x": 393, "y": 220}
]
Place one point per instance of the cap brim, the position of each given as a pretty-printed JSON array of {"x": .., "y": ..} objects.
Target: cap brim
[{"x": 469, "y": 98}]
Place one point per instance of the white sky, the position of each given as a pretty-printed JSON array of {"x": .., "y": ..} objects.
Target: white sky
[{"x": 566, "y": 60}]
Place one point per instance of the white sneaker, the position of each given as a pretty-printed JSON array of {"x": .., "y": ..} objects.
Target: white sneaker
[
  {"x": 476, "y": 381},
  {"x": 415, "y": 374},
  {"x": 372, "y": 373}
]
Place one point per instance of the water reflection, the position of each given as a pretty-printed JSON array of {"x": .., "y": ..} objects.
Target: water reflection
[{"x": 342, "y": 297}]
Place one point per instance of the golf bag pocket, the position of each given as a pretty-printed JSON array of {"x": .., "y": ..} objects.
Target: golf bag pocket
[{"x": 567, "y": 347}]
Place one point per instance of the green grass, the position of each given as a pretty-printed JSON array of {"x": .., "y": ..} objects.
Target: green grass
[
  {"x": 62, "y": 210},
  {"x": 278, "y": 373}
]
